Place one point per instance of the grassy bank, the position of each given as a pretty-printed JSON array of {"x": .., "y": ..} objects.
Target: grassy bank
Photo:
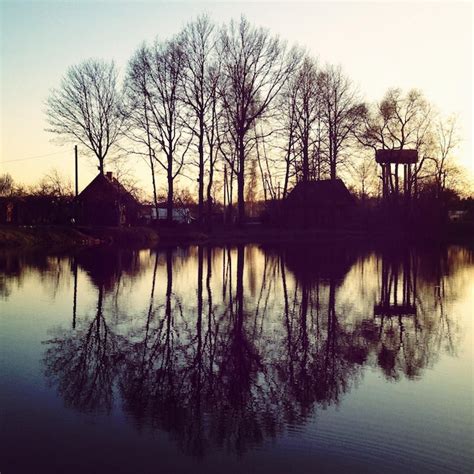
[{"x": 67, "y": 236}]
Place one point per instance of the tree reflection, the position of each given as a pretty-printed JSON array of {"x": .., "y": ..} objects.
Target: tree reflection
[
  {"x": 239, "y": 411},
  {"x": 233, "y": 358},
  {"x": 82, "y": 363},
  {"x": 321, "y": 358},
  {"x": 150, "y": 377}
]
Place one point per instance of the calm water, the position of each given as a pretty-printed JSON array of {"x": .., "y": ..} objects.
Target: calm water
[{"x": 240, "y": 359}]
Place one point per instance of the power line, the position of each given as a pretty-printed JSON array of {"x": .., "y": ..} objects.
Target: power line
[{"x": 33, "y": 157}]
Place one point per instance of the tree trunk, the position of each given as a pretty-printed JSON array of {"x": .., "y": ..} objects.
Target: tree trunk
[
  {"x": 150, "y": 156},
  {"x": 287, "y": 177},
  {"x": 241, "y": 183},
  {"x": 209, "y": 193},
  {"x": 169, "y": 204},
  {"x": 201, "y": 171},
  {"x": 155, "y": 196},
  {"x": 333, "y": 159},
  {"x": 288, "y": 164},
  {"x": 305, "y": 159},
  {"x": 397, "y": 186}
]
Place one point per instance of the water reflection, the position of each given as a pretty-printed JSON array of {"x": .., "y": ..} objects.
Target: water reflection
[
  {"x": 83, "y": 364},
  {"x": 227, "y": 347}
]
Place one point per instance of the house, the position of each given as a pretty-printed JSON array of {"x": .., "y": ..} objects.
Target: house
[
  {"x": 180, "y": 215},
  {"x": 323, "y": 203},
  {"x": 105, "y": 201},
  {"x": 457, "y": 215}
]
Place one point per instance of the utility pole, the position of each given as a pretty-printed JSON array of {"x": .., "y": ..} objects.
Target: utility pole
[{"x": 76, "y": 170}]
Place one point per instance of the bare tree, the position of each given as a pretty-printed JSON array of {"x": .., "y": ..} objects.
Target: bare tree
[
  {"x": 85, "y": 108},
  {"x": 54, "y": 184},
  {"x": 200, "y": 76},
  {"x": 364, "y": 169},
  {"x": 308, "y": 111},
  {"x": 7, "y": 185},
  {"x": 124, "y": 172},
  {"x": 400, "y": 122},
  {"x": 136, "y": 110},
  {"x": 255, "y": 66},
  {"x": 446, "y": 141},
  {"x": 342, "y": 112},
  {"x": 211, "y": 133},
  {"x": 229, "y": 158},
  {"x": 288, "y": 122},
  {"x": 166, "y": 62},
  {"x": 265, "y": 165},
  {"x": 251, "y": 191},
  {"x": 161, "y": 115}
]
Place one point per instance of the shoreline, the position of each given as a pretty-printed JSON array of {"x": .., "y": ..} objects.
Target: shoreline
[
  {"x": 57, "y": 236},
  {"x": 49, "y": 236}
]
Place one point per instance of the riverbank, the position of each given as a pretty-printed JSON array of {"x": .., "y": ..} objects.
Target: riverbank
[
  {"x": 71, "y": 237},
  {"x": 257, "y": 234},
  {"x": 260, "y": 234},
  {"x": 68, "y": 236}
]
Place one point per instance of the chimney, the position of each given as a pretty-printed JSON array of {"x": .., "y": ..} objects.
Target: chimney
[{"x": 108, "y": 174}]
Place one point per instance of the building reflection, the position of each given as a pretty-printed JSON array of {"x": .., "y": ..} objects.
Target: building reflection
[{"x": 236, "y": 344}]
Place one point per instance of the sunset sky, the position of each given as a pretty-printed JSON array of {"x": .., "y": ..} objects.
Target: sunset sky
[{"x": 379, "y": 45}]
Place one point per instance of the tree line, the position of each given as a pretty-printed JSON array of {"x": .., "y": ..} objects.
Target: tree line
[{"x": 243, "y": 113}]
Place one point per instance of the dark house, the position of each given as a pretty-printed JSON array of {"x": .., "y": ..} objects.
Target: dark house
[
  {"x": 323, "y": 203},
  {"x": 106, "y": 202}
]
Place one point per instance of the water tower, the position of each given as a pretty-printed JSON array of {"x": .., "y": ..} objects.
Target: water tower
[{"x": 394, "y": 185}]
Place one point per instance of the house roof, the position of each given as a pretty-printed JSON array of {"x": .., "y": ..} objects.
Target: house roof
[
  {"x": 106, "y": 189},
  {"x": 324, "y": 192}
]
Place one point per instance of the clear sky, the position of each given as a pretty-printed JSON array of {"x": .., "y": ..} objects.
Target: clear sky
[{"x": 379, "y": 45}]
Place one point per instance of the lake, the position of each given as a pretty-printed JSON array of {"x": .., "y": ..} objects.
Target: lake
[{"x": 248, "y": 359}]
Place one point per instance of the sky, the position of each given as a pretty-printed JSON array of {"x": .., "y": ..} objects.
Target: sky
[{"x": 379, "y": 45}]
